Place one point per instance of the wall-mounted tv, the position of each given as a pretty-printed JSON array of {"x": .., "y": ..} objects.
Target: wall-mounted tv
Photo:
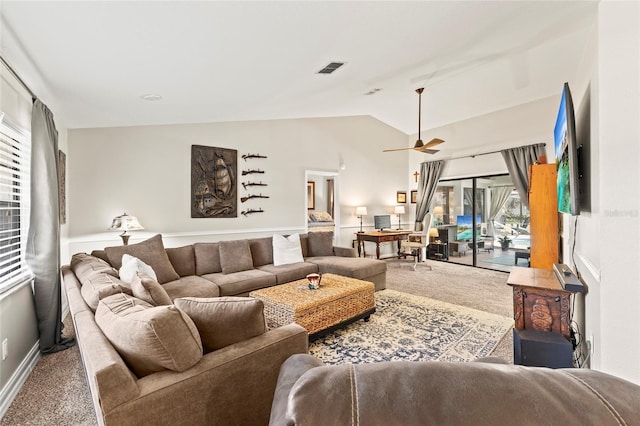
[
  {"x": 464, "y": 225},
  {"x": 382, "y": 221},
  {"x": 567, "y": 158}
]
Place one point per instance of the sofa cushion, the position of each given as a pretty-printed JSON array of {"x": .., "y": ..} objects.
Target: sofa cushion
[
  {"x": 191, "y": 286},
  {"x": 290, "y": 272},
  {"x": 131, "y": 266},
  {"x": 100, "y": 254},
  {"x": 241, "y": 283},
  {"x": 223, "y": 321},
  {"x": 304, "y": 244},
  {"x": 99, "y": 286},
  {"x": 84, "y": 265},
  {"x": 235, "y": 256},
  {"x": 207, "y": 258},
  {"x": 261, "y": 251},
  {"x": 286, "y": 250},
  {"x": 320, "y": 243},
  {"x": 146, "y": 288},
  {"x": 183, "y": 260},
  {"x": 358, "y": 267},
  {"x": 149, "y": 338},
  {"x": 151, "y": 252}
]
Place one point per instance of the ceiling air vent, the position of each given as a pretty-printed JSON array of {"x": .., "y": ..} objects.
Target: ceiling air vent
[{"x": 331, "y": 67}]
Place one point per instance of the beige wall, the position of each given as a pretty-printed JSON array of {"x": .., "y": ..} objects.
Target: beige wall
[
  {"x": 617, "y": 235},
  {"x": 145, "y": 171}
]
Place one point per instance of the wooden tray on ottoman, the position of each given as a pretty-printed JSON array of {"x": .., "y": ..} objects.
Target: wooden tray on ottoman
[{"x": 339, "y": 301}]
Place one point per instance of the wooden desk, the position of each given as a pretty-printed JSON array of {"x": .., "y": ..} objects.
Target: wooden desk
[
  {"x": 380, "y": 237},
  {"x": 539, "y": 301}
]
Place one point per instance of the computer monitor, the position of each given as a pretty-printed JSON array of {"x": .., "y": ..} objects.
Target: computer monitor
[{"x": 382, "y": 222}]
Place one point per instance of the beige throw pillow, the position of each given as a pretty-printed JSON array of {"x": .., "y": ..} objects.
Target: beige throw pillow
[
  {"x": 149, "y": 338},
  {"x": 146, "y": 288},
  {"x": 100, "y": 285},
  {"x": 151, "y": 252},
  {"x": 223, "y": 321},
  {"x": 322, "y": 217},
  {"x": 85, "y": 265}
]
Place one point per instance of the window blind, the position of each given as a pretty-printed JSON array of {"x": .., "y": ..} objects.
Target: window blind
[{"x": 15, "y": 162}]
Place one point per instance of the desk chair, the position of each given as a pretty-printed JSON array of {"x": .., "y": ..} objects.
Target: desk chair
[{"x": 417, "y": 242}]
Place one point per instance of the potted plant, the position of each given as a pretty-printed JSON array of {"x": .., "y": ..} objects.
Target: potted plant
[{"x": 504, "y": 242}]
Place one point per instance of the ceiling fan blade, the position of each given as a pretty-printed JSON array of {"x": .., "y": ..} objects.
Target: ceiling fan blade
[
  {"x": 397, "y": 149},
  {"x": 430, "y": 151},
  {"x": 433, "y": 142}
]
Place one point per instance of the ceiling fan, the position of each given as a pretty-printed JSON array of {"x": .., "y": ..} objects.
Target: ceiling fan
[{"x": 420, "y": 146}]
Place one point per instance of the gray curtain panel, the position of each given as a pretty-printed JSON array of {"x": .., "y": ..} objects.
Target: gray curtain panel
[
  {"x": 499, "y": 197},
  {"x": 518, "y": 161},
  {"x": 430, "y": 173},
  {"x": 43, "y": 241}
]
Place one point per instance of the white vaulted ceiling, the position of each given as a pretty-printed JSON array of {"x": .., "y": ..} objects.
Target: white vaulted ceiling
[{"x": 227, "y": 61}]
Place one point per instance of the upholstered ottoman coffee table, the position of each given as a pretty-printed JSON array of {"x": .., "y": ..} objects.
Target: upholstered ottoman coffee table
[{"x": 339, "y": 301}]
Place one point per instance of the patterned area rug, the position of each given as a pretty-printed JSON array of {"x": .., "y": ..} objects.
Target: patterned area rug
[{"x": 413, "y": 328}]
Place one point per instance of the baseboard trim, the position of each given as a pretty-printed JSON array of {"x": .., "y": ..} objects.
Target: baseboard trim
[{"x": 10, "y": 391}]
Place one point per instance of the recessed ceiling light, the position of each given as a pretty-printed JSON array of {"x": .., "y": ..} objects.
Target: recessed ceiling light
[{"x": 151, "y": 97}]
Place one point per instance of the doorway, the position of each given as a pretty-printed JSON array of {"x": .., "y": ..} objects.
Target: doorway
[{"x": 322, "y": 206}]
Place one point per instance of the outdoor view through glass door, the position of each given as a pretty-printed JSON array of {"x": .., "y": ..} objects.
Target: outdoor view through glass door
[{"x": 489, "y": 205}]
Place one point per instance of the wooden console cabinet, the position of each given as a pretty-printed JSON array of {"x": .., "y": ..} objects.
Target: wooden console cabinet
[
  {"x": 539, "y": 301},
  {"x": 543, "y": 208}
]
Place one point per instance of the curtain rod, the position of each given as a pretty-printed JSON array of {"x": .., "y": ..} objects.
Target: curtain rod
[
  {"x": 490, "y": 152},
  {"x": 33, "y": 96}
]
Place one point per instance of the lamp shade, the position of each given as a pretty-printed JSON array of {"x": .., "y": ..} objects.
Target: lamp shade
[
  {"x": 399, "y": 210},
  {"x": 361, "y": 211},
  {"x": 433, "y": 232},
  {"x": 125, "y": 223},
  {"x": 438, "y": 210}
]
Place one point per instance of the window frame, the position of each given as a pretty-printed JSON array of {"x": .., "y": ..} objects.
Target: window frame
[{"x": 15, "y": 190}]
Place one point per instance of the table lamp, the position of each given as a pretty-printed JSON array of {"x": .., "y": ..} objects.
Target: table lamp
[
  {"x": 438, "y": 211},
  {"x": 125, "y": 223},
  {"x": 399, "y": 211},
  {"x": 433, "y": 233},
  {"x": 361, "y": 211}
]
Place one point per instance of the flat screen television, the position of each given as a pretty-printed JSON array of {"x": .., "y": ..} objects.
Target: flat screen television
[
  {"x": 382, "y": 222},
  {"x": 567, "y": 156},
  {"x": 464, "y": 224}
]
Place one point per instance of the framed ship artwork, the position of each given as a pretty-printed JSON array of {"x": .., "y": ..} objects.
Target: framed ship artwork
[{"x": 214, "y": 185}]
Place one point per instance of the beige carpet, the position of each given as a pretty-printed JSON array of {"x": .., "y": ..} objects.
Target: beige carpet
[
  {"x": 475, "y": 288},
  {"x": 56, "y": 392}
]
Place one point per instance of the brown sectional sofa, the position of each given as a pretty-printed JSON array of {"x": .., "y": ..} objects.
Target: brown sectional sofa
[
  {"x": 441, "y": 393},
  {"x": 153, "y": 363},
  {"x": 238, "y": 267}
]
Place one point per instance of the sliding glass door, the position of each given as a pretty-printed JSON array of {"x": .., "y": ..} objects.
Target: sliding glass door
[{"x": 475, "y": 216}]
